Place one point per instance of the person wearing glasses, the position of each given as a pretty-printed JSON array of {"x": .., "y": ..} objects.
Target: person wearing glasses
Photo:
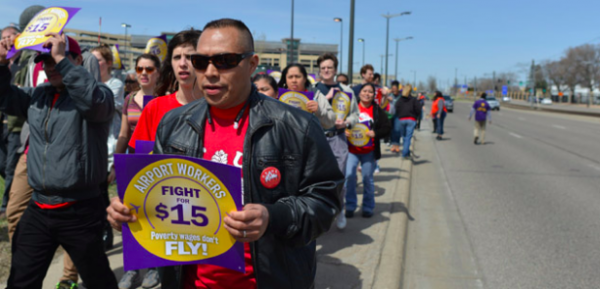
[
  {"x": 174, "y": 76},
  {"x": 266, "y": 85},
  {"x": 131, "y": 82},
  {"x": 177, "y": 79},
  {"x": 294, "y": 77},
  {"x": 336, "y": 136},
  {"x": 146, "y": 67},
  {"x": 282, "y": 217}
]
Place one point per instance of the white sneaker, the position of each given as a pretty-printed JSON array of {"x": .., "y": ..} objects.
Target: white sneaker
[{"x": 341, "y": 221}]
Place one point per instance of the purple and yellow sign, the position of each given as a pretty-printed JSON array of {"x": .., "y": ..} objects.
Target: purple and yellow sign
[
  {"x": 358, "y": 134},
  {"x": 144, "y": 147},
  {"x": 117, "y": 64},
  {"x": 180, "y": 204},
  {"x": 341, "y": 104},
  {"x": 296, "y": 98},
  {"x": 157, "y": 46},
  {"x": 147, "y": 99},
  {"x": 275, "y": 74},
  {"x": 312, "y": 78},
  {"x": 49, "y": 20}
]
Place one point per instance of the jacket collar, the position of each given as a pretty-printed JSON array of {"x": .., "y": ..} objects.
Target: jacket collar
[{"x": 257, "y": 116}]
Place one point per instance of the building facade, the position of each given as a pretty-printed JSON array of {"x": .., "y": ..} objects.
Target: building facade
[{"x": 274, "y": 55}]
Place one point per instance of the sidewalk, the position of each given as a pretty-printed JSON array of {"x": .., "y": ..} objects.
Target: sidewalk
[{"x": 368, "y": 253}]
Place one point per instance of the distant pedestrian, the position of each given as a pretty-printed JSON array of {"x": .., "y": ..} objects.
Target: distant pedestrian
[
  {"x": 438, "y": 113},
  {"x": 421, "y": 100},
  {"x": 408, "y": 109},
  {"x": 482, "y": 112}
]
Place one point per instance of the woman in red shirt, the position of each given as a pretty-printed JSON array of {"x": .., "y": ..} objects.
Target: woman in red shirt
[
  {"x": 366, "y": 154},
  {"x": 177, "y": 76}
]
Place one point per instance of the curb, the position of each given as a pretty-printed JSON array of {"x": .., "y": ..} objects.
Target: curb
[
  {"x": 390, "y": 269},
  {"x": 550, "y": 109}
]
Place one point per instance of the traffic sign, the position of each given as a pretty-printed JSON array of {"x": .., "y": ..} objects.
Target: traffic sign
[{"x": 504, "y": 90}]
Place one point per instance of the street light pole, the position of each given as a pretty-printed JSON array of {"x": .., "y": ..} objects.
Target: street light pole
[
  {"x": 387, "y": 38},
  {"x": 351, "y": 42},
  {"x": 292, "y": 37},
  {"x": 398, "y": 55},
  {"x": 363, "y": 56},
  {"x": 386, "y": 57},
  {"x": 125, "y": 25},
  {"x": 337, "y": 19}
]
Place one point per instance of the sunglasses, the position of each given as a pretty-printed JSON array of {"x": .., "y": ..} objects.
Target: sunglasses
[
  {"x": 220, "y": 61},
  {"x": 149, "y": 69}
]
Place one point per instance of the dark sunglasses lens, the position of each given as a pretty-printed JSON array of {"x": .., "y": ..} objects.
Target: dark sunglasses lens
[
  {"x": 139, "y": 69},
  {"x": 199, "y": 62},
  {"x": 232, "y": 60},
  {"x": 149, "y": 69}
]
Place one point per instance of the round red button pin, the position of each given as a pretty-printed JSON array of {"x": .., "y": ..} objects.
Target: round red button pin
[{"x": 270, "y": 177}]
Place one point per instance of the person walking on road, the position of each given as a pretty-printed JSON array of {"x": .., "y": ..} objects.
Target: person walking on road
[
  {"x": 482, "y": 112},
  {"x": 421, "y": 100},
  {"x": 408, "y": 110},
  {"x": 279, "y": 231},
  {"x": 69, "y": 119},
  {"x": 336, "y": 137},
  {"x": 438, "y": 113},
  {"x": 365, "y": 155}
]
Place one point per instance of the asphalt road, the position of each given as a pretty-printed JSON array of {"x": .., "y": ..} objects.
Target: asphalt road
[{"x": 522, "y": 211}]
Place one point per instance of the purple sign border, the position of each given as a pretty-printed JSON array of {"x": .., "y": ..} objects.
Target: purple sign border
[
  {"x": 137, "y": 257},
  {"x": 71, "y": 10}
]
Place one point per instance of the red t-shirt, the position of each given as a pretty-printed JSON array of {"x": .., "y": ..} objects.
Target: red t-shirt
[
  {"x": 151, "y": 116},
  {"x": 366, "y": 114},
  {"x": 223, "y": 144}
]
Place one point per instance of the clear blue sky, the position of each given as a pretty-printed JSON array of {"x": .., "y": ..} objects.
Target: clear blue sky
[{"x": 475, "y": 36}]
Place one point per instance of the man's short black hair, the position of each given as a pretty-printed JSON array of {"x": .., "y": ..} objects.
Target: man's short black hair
[
  {"x": 239, "y": 25},
  {"x": 484, "y": 95},
  {"x": 376, "y": 76},
  {"x": 395, "y": 83}
]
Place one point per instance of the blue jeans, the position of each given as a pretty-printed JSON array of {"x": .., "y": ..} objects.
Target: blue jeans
[
  {"x": 407, "y": 128},
  {"x": 395, "y": 137},
  {"x": 440, "y": 123},
  {"x": 368, "y": 168}
]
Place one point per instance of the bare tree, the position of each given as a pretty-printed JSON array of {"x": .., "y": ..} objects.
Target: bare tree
[
  {"x": 555, "y": 72},
  {"x": 571, "y": 79},
  {"x": 421, "y": 86},
  {"x": 587, "y": 63},
  {"x": 431, "y": 83}
]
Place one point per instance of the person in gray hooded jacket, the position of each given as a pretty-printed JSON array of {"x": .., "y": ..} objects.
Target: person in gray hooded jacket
[{"x": 69, "y": 120}]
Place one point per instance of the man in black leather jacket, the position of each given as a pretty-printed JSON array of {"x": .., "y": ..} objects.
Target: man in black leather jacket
[{"x": 280, "y": 221}]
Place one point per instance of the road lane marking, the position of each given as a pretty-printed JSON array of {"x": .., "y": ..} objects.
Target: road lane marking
[
  {"x": 558, "y": 126},
  {"x": 515, "y": 135}
]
